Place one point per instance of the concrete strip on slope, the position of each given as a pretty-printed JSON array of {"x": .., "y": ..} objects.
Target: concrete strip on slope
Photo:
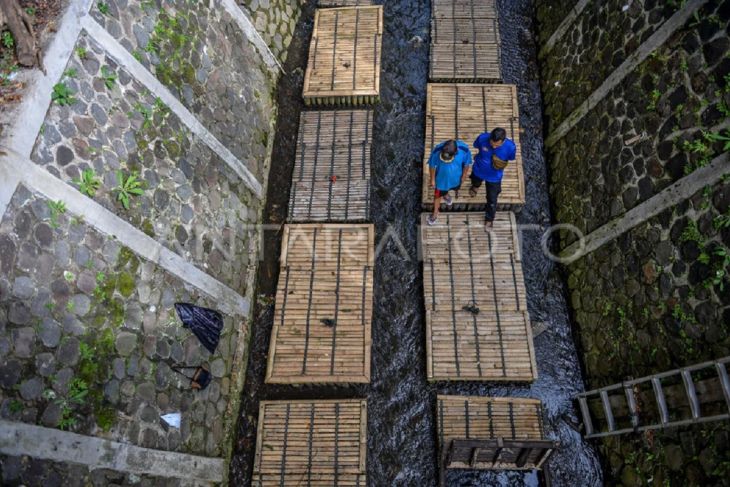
[
  {"x": 563, "y": 27},
  {"x": 39, "y": 180},
  {"x": 245, "y": 24},
  {"x": 21, "y": 135},
  {"x": 135, "y": 68},
  {"x": 671, "y": 196},
  {"x": 62, "y": 446},
  {"x": 658, "y": 38}
]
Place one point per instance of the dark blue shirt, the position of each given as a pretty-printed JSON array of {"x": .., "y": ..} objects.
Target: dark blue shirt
[{"x": 483, "y": 168}]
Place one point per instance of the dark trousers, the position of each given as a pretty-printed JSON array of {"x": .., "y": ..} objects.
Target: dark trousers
[{"x": 493, "y": 190}]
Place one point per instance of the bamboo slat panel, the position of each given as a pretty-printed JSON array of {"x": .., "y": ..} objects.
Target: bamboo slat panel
[
  {"x": 477, "y": 9},
  {"x": 344, "y": 3},
  {"x": 477, "y": 324},
  {"x": 465, "y": 111},
  {"x": 320, "y": 442},
  {"x": 471, "y": 31},
  {"x": 465, "y": 49},
  {"x": 331, "y": 178},
  {"x": 344, "y": 56},
  {"x": 322, "y": 319},
  {"x": 515, "y": 423}
]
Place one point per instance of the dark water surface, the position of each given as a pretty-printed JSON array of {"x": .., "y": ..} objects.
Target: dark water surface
[{"x": 401, "y": 403}]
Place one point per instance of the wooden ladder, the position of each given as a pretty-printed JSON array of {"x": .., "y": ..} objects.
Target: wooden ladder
[{"x": 629, "y": 390}]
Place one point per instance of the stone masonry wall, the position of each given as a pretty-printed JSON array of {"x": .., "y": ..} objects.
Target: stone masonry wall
[
  {"x": 192, "y": 202},
  {"x": 88, "y": 336},
  {"x": 276, "y": 21},
  {"x": 647, "y": 132},
  {"x": 658, "y": 296},
  {"x": 202, "y": 56},
  {"x": 88, "y": 330},
  {"x": 32, "y": 472}
]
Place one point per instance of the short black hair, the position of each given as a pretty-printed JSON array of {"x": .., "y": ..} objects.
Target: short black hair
[
  {"x": 498, "y": 135},
  {"x": 449, "y": 149}
]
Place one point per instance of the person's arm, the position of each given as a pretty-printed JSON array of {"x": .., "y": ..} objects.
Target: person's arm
[
  {"x": 432, "y": 171},
  {"x": 481, "y": 142},
  {"x": 465, "y": 167}
]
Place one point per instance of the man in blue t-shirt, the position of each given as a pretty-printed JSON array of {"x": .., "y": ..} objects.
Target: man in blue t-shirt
[
  {"x": 448, "y": 166},
  {"x": 495, "y": 151}
]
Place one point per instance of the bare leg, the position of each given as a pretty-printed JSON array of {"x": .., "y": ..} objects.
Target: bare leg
[{"x": 436, "y": 207}]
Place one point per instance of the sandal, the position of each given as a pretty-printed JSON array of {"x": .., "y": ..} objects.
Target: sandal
[
  {"x": 473, "y": 191},
  {"x": 431, "y": 220}
]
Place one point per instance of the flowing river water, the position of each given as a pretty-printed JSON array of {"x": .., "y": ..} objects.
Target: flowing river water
[{"x": 402, "y": 448}]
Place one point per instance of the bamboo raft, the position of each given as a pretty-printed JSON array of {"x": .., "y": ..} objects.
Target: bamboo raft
[
  {"x": 343, "y": 3},
  {"x": 319, "y": 443},
  {"x": 464, "y": 111},
  {"x": 331, "y": 179},
  {"x": 465, "y": 50},
  {"x": 322, "y": 320},
  {"x": 344, "y": 57},
  {"x": 477, "y": 9},
  {"x": 477, "y": 324},
  {"x": 465, "y": 42},
  {"x": 490, "y": 433}
]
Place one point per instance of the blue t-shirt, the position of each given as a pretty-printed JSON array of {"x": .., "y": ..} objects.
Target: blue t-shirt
[
  {"x": 483, "y": 168},
  {"x": 448, "y": 174}
]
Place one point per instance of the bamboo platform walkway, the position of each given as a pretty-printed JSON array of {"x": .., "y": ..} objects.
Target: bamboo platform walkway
[
  {"x": 344, "y": 57},
  {"x": 465, "y": 41},
  {"x": 331, "y": 178},
  {"x": 322, "y": 320},
  {"x": 490, "y": 433},
  {"x": 464, "y": 111},
  {"x": 344, "y": 3},
  {"x": 477, "y": 325},
  {"x": 483, "y": 9},
  {"x": 319, "y": 443}
]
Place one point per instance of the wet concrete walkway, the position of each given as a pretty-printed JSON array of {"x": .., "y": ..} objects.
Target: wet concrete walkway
[{"x": 401, "y": 403}]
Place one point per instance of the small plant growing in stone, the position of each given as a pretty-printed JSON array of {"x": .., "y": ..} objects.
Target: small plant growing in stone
[
  {"x": 8, "y": 40},
  {"x": 720, "y": 138},
  {"x": 62, "y": 94},
  {"x": 103, "y": 7},
  {"x": 128, "y": 187},
  {"x": 88, "y": 183},
  {"x": 15, "y": 406},
  {"x": 71, "y": 73},
  {"x": 70, "y": 306},
  {"x": 137, "y": 54},
  {"x": 722, "y": 221},
  {"x": 81, "y": 52},
  {"x": 57, "y": 208},
  {"x": 655, "y": 95},
  {"x": 69, "y": 276},
  {"x": 691, "y": 233},
  {"x": 109, "y": 77}
]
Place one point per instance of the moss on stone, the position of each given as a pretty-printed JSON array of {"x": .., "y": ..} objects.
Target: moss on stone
[
  {"x": 125, "y": 284},
  {"x": 148, "y": 228}
]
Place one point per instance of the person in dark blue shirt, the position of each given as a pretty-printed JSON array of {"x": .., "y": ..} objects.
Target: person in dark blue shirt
[
  {"x": 495, "y": 151},
  {"x": 448, "y": 167}
]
